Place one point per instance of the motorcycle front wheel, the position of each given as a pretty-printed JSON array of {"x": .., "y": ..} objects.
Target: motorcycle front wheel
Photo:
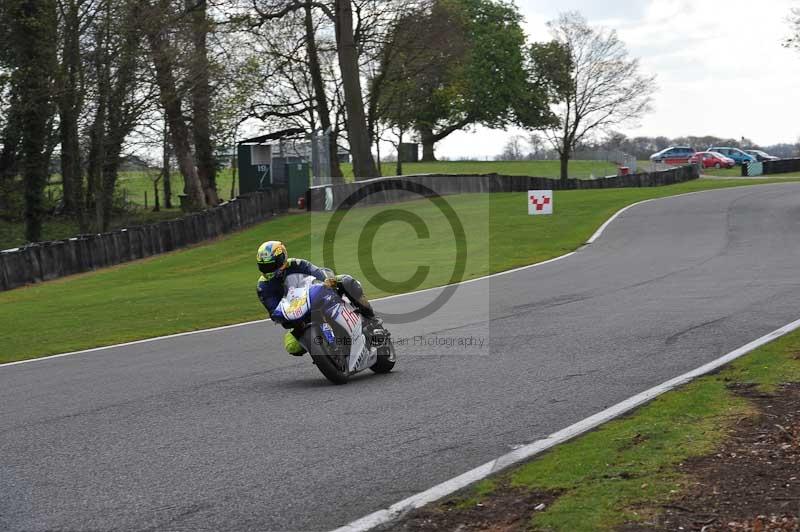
[{"x": 330, "y": 363}]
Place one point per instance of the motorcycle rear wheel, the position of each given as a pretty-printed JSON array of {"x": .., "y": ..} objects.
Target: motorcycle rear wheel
[{"x": 386, "y": 361}]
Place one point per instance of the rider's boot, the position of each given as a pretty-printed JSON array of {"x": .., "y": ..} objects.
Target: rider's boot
[{"x": 293, "y": 345}]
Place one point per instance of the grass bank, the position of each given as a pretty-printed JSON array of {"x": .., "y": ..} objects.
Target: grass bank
[
  {"x": 628, "y": 470},
  {"x": 213, "y": 284}
]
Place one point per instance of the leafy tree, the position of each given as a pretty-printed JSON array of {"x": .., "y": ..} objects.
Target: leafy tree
[
  {"x": 411, "y": 67},
  {"x": 473, "y": 74}
]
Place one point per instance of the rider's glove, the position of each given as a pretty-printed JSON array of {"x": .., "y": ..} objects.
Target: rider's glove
[{"x": 331, "y": 282}]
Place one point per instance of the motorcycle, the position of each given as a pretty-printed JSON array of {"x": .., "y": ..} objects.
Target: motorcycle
[{"x": 342, "y": 345}]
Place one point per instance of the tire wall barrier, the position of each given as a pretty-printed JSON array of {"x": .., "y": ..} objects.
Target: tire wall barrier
[
  {"x": 395, "y": 189},
  {"x": 45, "y": 261},
  {"x": 782, "y": 166}
]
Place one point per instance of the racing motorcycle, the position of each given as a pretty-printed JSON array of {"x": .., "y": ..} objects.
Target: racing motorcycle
[{"x": 341, "y": 341}]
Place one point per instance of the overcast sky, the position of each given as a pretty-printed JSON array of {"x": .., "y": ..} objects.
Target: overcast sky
[{"x": 720, "y": 66}]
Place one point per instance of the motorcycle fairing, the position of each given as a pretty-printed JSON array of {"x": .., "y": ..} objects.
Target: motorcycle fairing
[
  {"x": 296, "y": 304},
  {"x": 361, "y": 355}
]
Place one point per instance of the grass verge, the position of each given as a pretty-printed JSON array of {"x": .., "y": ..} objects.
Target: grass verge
[
  {"x": 214, "y": 284},
  {"x": 624, "y": 470}
]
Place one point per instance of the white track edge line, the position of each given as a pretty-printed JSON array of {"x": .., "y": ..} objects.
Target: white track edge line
[
  {"x": 439, "y": 491},
  {"x": 591, "y": 240},
  {"x": 135, "y": 342},
  {"x": 616, "y": 215}
]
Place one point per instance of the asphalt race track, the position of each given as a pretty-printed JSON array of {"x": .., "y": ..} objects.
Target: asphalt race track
[{"x": 221, "y": 431}]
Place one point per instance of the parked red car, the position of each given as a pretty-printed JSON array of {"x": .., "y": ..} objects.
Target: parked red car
[{"x": 712, "y": 159}]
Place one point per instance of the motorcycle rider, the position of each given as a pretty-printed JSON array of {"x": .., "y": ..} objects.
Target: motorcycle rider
[{"x": 275, "y": 266}]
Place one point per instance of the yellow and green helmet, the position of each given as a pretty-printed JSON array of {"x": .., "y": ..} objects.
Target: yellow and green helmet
[{"x": 271, "y": 257}]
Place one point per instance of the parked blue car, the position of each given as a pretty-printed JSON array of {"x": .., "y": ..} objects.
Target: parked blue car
[
  {"x": 673, "y": 155},
  {"x": 734, "y": 153}
]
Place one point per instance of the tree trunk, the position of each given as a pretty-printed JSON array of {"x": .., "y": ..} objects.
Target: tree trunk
[
  {"x": 33, "y": 31},
  {"x": 162, "y": 56},
  {"x": 96, "y": 157},
  {"x": 157, "y": 206},
  {"x": 564, "y": 156},
  {"x": 71, "y": 168},
  {"x": 399, "y": 168},
  {"x": 337, "y": 177},
  {"x": 363, "y": 163},
  {"x": 234, "y": 162},
  {"x": 378, "y": 157},
  {"x": 97, "y": 144},
  {"x": 165, "y": 172},
  {"x": 320, "y": 96},
  {"x": 110, "y": 172},
  {"x": 201, "y": 101},
  {"x": 428, "y": 143},
  {"x": 70, "y": 104}
]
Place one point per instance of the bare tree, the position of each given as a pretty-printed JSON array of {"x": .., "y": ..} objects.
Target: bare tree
[
  {"x": 320, "y": 94},
  {"x": 335, "y": 98},
  {"x": 293, "y": 42},
  {"x": 793, "y": 41},
  {"x": 118, "y": 98},
  {"x": 201, "y": 95},
  {"x": 535, "y": 142},
  {"x": 605, "y": 86},
  {"x": 157, "y": 19},
  {"x": 513, "y": 149},
  {"x": 358, "y": 134}
]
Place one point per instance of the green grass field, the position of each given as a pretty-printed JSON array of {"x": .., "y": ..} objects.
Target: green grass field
[{"x": 213, "y": 284}]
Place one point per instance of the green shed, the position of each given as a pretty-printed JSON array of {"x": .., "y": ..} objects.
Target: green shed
[{"x": 261, "y": 168}]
